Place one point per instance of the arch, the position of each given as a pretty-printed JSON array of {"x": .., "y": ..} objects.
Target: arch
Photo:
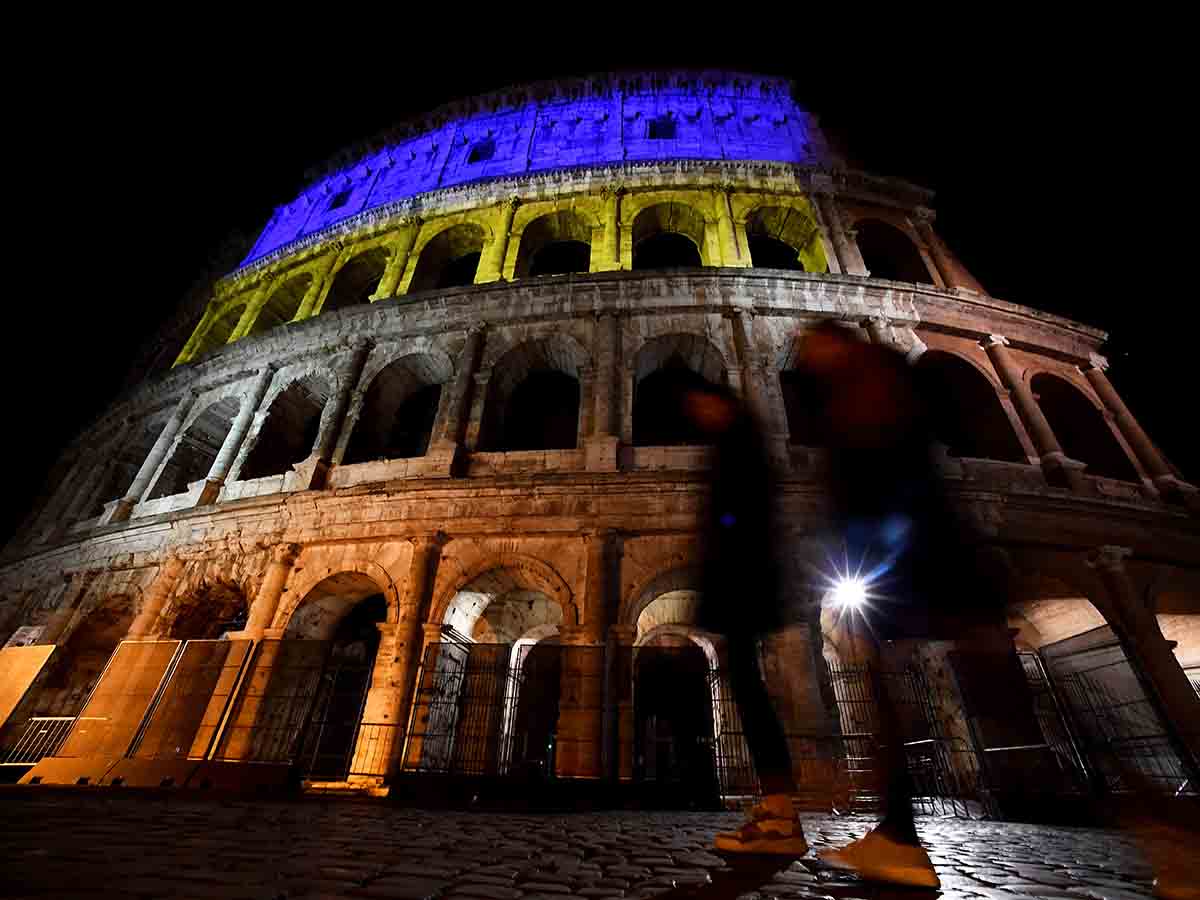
[
  {"x": 1046, "y": 609},
  {"x": 705, "y": 641},
  {"x": 322, "y": 608},
  {"x": 554, "y": 244},
  {"x": 208, "y": 612},
  {"x": 645, "y": 592},
  {"x": 890, "y": 253},
  {"x": 533, "y": 400},
  {"x": 217, "y": 334},
  {"x": 965, "y": 412},
  {"x": 289, "y": 431},
  {"x": 80, "y": 659},
  {"x": 665, "y": 368},
  {"x": 311, "y": 585},
  {"x": 506, "y": 572},
  {"x": 283, "y": 304},
  {"x": 449, "y": 259},
  {"x": 399, "y": 409},
  {"x": 357, "y": 280},
  {"x": 668, "y": 235},
  {"x": 196, "y": 449},
  {"x": 785, "y": 237},
  {"x": 1081, "y": 428}
]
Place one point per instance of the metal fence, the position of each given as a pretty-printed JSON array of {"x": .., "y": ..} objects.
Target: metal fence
[{"x": 43, "y": 735}]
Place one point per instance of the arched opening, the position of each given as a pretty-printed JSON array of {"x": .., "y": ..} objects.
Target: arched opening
[
  {"x": 783, "y": 237},
  {"x": 77, "y": 664},
  {"x": 283, "y": 305},
  {"x": 554, "y": 244},
  {"x": 117, "y": 475},
  {"x": 450, "y": 259},
  {"x": 209, "y": 612},
  {"x": 533, "y": 397},
  {"x": 1178, "y": 613},
  {"x": 1106, "y": 732},
  {"x": 668, "y": 236},
  {"x": 889, "y": 253},
  {"x": 665, "y": 369},
  {"x": 966, "y": 414},
  {"x": 357, "y": 280},
  {"x": 399, "y": 410},
  {"x": 1081, "y": 429},
  {"x": 800, "y": 407},
  {"x": 290, "y": 430},
  {"x": 219, "y": 332},
  {"x": 197, "y": 449}
]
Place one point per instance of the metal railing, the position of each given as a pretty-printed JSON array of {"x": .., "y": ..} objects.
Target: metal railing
[{"x": 43, "y": 735}]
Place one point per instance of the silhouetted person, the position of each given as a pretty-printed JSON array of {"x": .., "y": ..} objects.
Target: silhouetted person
[{"x": 740, "y": 600}]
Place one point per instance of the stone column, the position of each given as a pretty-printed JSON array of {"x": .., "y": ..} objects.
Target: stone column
[
  {"x": 610, "y": 255},
  {"x": 328, "y": 438},
  {"x": 217, "y": 472},
  {"x": 253, "y": 307},
  {"x": 620, "y": 643},
  {"x": 752, "y": 388},
  {"x": 1153, "y": 462},
  {"x": 601, "y": 444},
  {"x": 1165, "y": 683},
  {"x": 122, "y": 508},
  {"x": 628, "y": 383},
  {"x": 450, "y": 433},
  {"x": 1054, "y": 461},
  {"x": 189, "y": 349},
  {"x": 731, "y": 254},
  {"x": 401, "y": 249},
  {"x": 155, "y": 598},
  {"x": 491, "y": 267},
  {"x": 849, "y": 258},
  {"x": 266, "y": 601},
  {"x": 478, "y": 408},
  {"x": 313, "y": 294}
]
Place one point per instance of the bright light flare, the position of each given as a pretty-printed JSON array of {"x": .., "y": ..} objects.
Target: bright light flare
[{"x": 849, "y": 593}]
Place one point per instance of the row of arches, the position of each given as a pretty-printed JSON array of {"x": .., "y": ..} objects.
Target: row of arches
[{"x": 664, "y": 236}]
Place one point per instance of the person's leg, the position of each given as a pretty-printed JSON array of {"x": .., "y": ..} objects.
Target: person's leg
[
  {"x": 897, "y": 821},
  {"x": 773, "y": 826}
]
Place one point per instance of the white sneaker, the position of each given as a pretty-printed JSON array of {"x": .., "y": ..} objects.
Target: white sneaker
[{"x": 877, "y": 857}]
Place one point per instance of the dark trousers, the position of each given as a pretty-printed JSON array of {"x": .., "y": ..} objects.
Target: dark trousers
[{"x": 760, "y": 724}]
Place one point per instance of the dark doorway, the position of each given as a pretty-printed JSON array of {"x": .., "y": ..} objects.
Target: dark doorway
[
  {"x": 289, "y": 432},
  {"x": 658, "y": 416},
  {"x": 459, "y": 272},
  {"x": 542, "y": 414},
  {"x": 560, "y": 258},
  {"x": 666, "y": 250},
  {"x": 889, "y": 253},
  {"x": 328, "y": 748},
  {"x": 674, "y": 724},
  {"x": 772, "y": 253},
  {"x": 533, "y": 738}
]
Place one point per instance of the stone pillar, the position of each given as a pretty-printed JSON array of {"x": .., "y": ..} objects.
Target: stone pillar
[
  {"x": 752, "y": 387},
  {"x": 450, "y": 434},
  {"x": 217, "y": 472},
  {"x": 1165, "y": 683},
  {"x": 120, "y": 511},
  {"x": 478, "y": 407},
  {"x": 328, "y": 438},
  {"x": 610, "y": 253},
  {"x": 189, "y": 349},
  {"x": 628, "y": 383},
  {"x": 620, "y": 643},
  {"x": 414, "y": 749},
  {"x": 155, "y": 598},
  {"x": 1153, "y": 462},
  {"x": 601, "y": 444},
  {"x": 953, "y": 276},
  {"x": 266, "y": 601},
  {"x": 1054, "y": 461},
  {"x": 401, "y": 249},
  {"x": 849, "y": 259},
  {"x": 253, "y": 307},
  {"x": 315, "y": 290},
  {"x": 491, "y": 267},
  {"x": 731, "y": 254}
]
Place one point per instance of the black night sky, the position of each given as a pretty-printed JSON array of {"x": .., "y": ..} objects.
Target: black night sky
[{"x": 1051, "y": 163}]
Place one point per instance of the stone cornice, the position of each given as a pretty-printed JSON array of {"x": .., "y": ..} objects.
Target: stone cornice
[{"x": 860, "y": 185}]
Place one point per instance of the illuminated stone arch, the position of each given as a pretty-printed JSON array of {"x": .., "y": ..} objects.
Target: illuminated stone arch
[
  {"x": 890, "y": 252},
  {"x": 499, "y": 570},
  {"x": 677, "y": 578},
  {"x": 668, "y": 234},
  {"x": 206, "y": 612},
  {"x": 1174, "y": 596},
  {"x": 356, "y": 280},
  {"x": 1079, "y": 422},
  {"x": 533, "y": 399},
  {"x": 196, "y": 448},
  {"x": 448, "y": 257},
  {"x": 965, "y": 407},
  {"x": 282, "y": 304},
  {"x": 555, "y": 243},
  {"x": 785, "y": 237},
  {"x": 394, "y": 416},
  {"x": 295, "y": 410},
  {"x": 218, "y": 333},
  {"x": 664, "y": 367},
  {"x": 316, "y": 601}
]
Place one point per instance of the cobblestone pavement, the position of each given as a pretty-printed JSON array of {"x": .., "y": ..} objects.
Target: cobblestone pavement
[{"x": 91, "y": 843}]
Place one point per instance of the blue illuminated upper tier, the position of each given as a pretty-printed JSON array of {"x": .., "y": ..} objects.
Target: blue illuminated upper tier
[{"x": 591, "y": 121}]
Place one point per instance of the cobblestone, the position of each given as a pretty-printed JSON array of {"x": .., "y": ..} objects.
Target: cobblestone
[{"x": 92, "y": 843}]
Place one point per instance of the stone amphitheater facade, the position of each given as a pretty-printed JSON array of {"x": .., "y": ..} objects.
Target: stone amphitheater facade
[{"x": 601, "y": 230}]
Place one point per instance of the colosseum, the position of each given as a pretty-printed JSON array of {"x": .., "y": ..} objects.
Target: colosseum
[{"x": 409, "y": 512}]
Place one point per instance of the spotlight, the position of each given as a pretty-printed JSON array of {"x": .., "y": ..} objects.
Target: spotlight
[{"x": 849, "y": 593}]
